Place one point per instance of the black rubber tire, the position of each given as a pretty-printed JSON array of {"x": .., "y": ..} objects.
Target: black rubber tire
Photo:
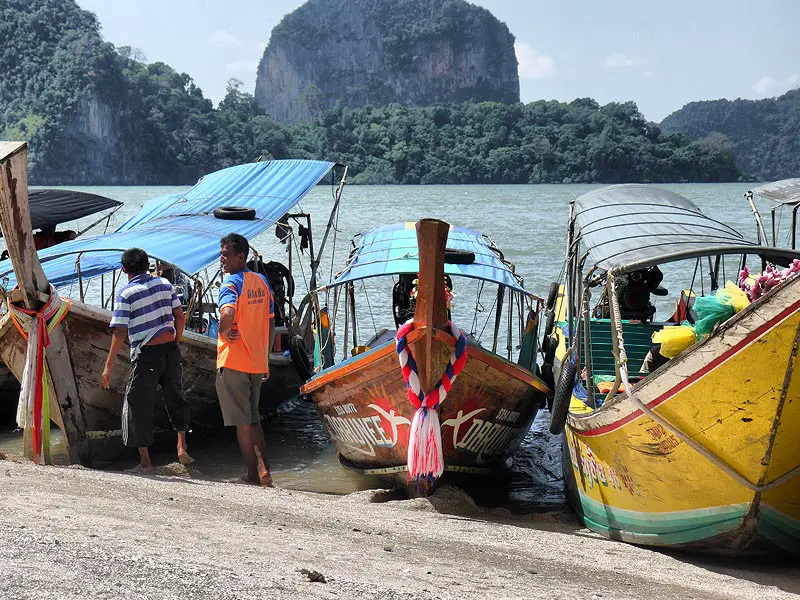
[
  {"x": 235, "y": 213},
  {"x": 552, "y": 295},
  {"x": 300, "y": 358},
  {"x": 550, "y": 323},
  {"x": 562, "y": 397},
  {"x": 454, "y": 256},
  {"x": 549, "y": 348},
  {"x": 549, "y": 378},
  {"x": 283, "y": 271}
]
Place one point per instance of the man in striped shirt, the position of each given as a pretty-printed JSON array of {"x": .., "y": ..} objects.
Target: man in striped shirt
[{"x": 148, "y": 313}]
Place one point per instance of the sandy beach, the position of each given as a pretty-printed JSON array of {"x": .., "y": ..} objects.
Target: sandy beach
[{"x": 68, "y": 532}]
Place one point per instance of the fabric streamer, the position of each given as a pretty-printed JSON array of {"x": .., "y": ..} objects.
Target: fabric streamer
[
  {"x": 33, "y": 409},
  {"x": 425, "y": 458}
]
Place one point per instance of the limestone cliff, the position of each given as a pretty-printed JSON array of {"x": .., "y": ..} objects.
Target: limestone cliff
[{"x": 360, "y": 52}]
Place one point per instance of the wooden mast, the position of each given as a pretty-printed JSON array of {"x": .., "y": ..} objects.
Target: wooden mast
[
  {"x": 431, "y": 308},
  {"x": 34, "y": 290}
]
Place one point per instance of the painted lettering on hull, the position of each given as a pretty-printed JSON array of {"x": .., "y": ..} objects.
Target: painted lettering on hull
[
  {"x": 364, "y": 434},
  {"x": 595, "y": 471},
  {"x": 486, "y": 439}
]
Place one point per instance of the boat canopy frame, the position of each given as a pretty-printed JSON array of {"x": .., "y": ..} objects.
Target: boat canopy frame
[
  {"x": 630, "y": 227},
  {"x": 392, "y": 250},
  {"x": 782, "y": 194}
]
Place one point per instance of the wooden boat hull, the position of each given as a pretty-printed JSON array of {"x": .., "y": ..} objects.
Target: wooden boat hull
[
  {"x": 89, "y": 337},
  {"x": 364, "y": 406},
  {"x": 737, "y": 397}
]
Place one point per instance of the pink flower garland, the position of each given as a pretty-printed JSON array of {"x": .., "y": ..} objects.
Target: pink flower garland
[{"x": 767, "y": 280}]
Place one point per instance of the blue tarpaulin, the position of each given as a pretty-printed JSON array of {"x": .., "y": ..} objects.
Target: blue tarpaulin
[
  {"x": 392, "y": 250},
  {"x": 180, "y": 228}
]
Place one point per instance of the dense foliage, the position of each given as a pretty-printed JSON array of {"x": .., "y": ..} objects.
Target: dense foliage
[
  {"x": 764, "y": 134},
  {"x": 96, "y": 114}
]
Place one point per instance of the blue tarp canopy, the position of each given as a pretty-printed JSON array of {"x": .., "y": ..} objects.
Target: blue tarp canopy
[
  {"x": 392, "y": 250},
  {"x": 180, "y": 228}
]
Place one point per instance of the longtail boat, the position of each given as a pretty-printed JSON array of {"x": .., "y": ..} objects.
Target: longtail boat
[
  {"x": 181, "y": 233},
  {"x": 702, "y": 452},
  {"x": 369, "y": 401}
]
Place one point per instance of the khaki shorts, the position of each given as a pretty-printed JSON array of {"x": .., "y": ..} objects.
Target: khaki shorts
[{"x": 239, "y": 394}]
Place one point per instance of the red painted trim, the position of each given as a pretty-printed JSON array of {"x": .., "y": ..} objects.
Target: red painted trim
[{"x": 756, "y": 333}]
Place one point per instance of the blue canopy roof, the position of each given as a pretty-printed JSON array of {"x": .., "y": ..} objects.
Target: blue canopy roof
[
  {"x": 180, "y": 228},
  {"x": 392, "y": 250}
]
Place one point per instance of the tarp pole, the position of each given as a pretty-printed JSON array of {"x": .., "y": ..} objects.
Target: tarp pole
[{"x": 337, "y": 199}]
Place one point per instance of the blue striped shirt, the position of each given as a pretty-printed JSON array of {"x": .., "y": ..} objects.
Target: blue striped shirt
[{"x": 145, "y": 307}]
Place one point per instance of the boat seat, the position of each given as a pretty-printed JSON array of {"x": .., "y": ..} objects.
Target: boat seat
[{"x": 638, "y": 341}]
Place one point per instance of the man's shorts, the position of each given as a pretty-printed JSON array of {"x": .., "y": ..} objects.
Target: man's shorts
[{"x": 239, "y": 394}]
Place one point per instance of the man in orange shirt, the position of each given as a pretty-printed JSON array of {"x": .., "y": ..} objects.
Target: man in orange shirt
[{"x": 246, "y": 329}]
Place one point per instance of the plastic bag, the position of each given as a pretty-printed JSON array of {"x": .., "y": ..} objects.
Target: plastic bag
[
  {"x": 731, "y": 295},
  {"x": 710, "y": 311},
  {"x": 674, "y": 339}
]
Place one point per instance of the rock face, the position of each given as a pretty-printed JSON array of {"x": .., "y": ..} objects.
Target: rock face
[{"x": 360, "y": 52}]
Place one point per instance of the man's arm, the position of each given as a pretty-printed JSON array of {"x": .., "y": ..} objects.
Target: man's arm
[
  {"x": 227, "y": 315},
  {"x": 180, "y": 322},
  {"x": 117, "y": 340}
]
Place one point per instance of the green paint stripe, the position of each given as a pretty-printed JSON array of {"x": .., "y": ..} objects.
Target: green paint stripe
[
  {"x": 782, "y": 530},
  {"x": 675, "y": 527}
]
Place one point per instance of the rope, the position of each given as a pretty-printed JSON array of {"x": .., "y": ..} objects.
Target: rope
[
  {"x": 425, "y": 457},
  {"x": 33, "y": 409}
]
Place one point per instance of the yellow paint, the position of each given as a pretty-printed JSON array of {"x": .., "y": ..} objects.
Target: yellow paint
[{"x": 732, "y": 411}]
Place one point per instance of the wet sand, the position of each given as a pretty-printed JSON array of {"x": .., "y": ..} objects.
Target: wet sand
[{"x": 68, "y": 532}]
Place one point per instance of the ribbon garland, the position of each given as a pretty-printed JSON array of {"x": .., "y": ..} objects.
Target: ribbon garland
[
  {"x": 33, "y": 409},
  {"x": 425, "y": 458}
]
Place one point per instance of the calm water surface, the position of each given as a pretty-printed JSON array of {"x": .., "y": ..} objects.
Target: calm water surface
[{"x": 528, "y": 222}]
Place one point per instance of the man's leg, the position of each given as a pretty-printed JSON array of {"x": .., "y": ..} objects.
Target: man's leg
[
  {"x": 245, "y": 437},
  {"x": 137, "y": 409},
  {"x": 234, "y": 392},
  {"x": 175, "y": 399},
  {"x": 257, "y": 431}
]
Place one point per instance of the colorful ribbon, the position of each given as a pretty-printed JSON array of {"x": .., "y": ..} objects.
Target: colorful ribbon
[
  {"x": 425, "y": 457},
  {"x": 33, "y": 409}
]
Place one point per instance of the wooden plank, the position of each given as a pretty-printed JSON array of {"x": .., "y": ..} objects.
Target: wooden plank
[
  {"x": 15, "y": 222},
  {"x": 431, "y": 309}
]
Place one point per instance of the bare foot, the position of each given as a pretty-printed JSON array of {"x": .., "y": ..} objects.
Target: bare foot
[
  {"x": 184, "y": 458},
  {"x": 140, "y": 468},
  {"x": 264, "y": 476},
  {"x": 245, "y": 480}
]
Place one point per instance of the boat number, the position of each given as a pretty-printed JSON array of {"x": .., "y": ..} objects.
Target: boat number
[{"x": 345, "y": 409}]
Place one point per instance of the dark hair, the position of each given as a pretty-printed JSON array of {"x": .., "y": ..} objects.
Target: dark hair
[
  {"x": 135, "y": 261},
  {"x": 239, "y": 243}
]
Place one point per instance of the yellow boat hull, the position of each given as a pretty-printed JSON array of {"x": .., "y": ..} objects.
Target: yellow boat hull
[{"x": 721, "y": 471}]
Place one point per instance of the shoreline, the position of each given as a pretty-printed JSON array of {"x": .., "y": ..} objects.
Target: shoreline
[{"x": 81, "y": 533}]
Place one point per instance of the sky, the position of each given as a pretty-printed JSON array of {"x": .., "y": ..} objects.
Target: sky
[{"x": 661, "y": 55}]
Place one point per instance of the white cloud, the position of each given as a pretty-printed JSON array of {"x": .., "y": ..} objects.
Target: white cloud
[
  {"x": 242, "y": 66},
  {"x": 621, "y": 62},
  {"x": 764, "y": 86},
  {"x": 223, "y": 36},
  {"x": 533, "y": 65},
  {"x": 769, "y": 86}
]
